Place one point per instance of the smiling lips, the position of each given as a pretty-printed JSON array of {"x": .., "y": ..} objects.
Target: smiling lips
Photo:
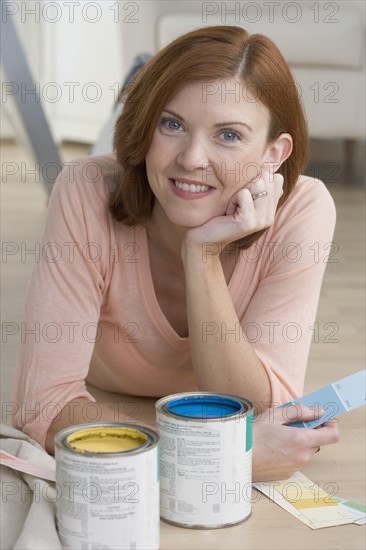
[
  {"x": 193, "y": 188},
  {"x": 188, "y": 189}
]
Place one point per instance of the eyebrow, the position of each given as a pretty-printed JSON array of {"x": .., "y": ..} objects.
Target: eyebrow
[{"x": 218, "y": 125}]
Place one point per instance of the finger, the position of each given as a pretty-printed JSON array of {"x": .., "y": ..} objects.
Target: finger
[
  {"x": 258, "y": 187},
  {"x": 297, "y": 412},
  {"x": 264, "y": 172},
  {"x": 274, "y": 190},
  {"x": 260, "y": 181},
  {"x": 241, "y": 199},
  {"x": 288, "y": 414},
  {"x": 325, "y": 435},
  {"x": 265, "y": 175},
  {"x": 330, "y": 422},
  {"x": 232, "y": 205},
  {"x": 259, "y": 173}
]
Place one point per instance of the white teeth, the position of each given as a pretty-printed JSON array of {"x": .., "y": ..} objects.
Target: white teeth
[{"x": 190, "y": 187}]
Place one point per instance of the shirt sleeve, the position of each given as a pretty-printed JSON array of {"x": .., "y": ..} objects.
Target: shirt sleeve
[
  {"x": 279, "y": 321},
  {"x": 64, "y": 297}
]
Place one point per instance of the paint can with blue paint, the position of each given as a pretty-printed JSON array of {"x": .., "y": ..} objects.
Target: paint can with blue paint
[{"x": 206, "y": 459}]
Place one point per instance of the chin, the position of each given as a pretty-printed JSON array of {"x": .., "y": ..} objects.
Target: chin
[{"x": 190, "y": 220}]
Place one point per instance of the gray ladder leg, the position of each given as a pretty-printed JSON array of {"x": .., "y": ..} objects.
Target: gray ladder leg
[{"x": 16, "y": 69}]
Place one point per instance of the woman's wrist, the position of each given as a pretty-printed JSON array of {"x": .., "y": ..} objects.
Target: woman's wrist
[{"x": 200, "y": 254}]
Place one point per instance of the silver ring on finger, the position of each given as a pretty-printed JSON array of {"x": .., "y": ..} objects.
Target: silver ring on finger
[{"x": 261, "y": 194}]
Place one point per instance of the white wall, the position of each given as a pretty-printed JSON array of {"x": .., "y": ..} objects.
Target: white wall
[
  {"x": 75, "y": 55},
  {"x": 64, "y": 45},
  {"x": 141, "y": 34}
]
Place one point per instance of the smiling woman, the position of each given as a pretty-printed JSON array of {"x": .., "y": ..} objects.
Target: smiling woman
[{"x": 205, "y": 277}]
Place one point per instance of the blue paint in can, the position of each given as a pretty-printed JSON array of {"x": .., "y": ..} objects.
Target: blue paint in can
[{"x": 205, "y": 406}]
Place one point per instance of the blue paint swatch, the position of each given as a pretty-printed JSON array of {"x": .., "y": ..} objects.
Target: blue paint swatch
[{"x": 337, "y": 398}]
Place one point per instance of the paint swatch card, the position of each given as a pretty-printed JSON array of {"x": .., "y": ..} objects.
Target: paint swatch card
[
  {"x": 336, "y": 399},
  {"x": 306, "y": 501}
]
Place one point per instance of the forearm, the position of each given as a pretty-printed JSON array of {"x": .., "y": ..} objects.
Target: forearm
[
  {"x": 223, "y": 360},
  {"x": 75, "y": 412}
]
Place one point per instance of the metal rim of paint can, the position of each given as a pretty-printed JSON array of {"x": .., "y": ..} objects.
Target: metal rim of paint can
[
  {"x": 202, "y": 405},
  {"x": 149, "y": 438}
]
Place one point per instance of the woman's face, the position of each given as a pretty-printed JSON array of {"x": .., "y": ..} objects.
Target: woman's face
[{"x": 210, "y": 142}]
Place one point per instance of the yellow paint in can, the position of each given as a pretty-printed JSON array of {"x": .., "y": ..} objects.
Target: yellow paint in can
[{"x": 106, "y": 440}]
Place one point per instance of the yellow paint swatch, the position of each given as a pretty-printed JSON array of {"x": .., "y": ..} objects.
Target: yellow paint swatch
[{"x": 314, "y": 503}]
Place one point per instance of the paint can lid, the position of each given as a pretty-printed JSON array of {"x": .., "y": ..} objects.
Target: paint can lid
[{"x": 205, "y": 406}]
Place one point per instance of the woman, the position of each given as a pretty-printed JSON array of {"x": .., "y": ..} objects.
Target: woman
[{"x": 201, "y": 273}]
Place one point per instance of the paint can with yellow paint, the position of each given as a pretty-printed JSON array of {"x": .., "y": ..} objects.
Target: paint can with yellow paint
[{"x": 107, "y": 483}]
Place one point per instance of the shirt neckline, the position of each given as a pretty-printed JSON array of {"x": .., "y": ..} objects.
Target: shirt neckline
[{"x": 147, "y": 291}]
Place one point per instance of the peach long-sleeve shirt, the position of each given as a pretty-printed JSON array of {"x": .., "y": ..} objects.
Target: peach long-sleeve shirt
[{"x": 92, "y": 313}]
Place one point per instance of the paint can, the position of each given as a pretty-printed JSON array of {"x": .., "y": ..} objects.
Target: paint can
[
  {"x": 206, "y": 459},
  {"x": 107, "y": 484}
]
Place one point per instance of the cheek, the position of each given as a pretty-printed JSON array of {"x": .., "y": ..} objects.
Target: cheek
[
  {"x": 160, "y": 153},
  {"x": 152, "y": 155},
  {"x": 151, "y": 158},
  {"x": 240, "y": 169},
  {"x": 251, "y": 170}
]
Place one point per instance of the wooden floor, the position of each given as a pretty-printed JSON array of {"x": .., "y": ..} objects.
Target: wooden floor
[{"x": 339, "y": 338}]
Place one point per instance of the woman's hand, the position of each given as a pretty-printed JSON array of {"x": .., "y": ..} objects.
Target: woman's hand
[
  {"x": 280, "y": 450},
  {"x": 245, "y": 213}
]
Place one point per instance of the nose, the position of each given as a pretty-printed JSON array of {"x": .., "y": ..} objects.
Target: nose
[{"x": 192, "y": 154}]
